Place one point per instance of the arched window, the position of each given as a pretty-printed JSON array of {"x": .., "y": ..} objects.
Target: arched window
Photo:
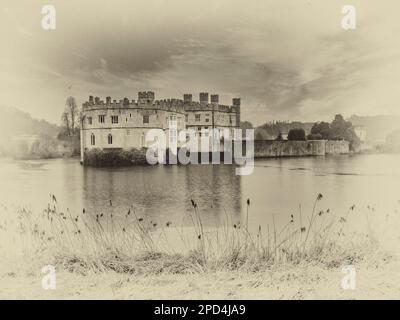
[
  {"x": 110, "y": 139},
  {"x": 92, "y": 139}
]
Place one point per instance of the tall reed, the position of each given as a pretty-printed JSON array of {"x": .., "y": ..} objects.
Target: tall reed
[{"x": 129, "y": 242}]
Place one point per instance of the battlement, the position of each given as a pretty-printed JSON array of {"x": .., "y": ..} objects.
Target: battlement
[
  {"x": 146, "y": 96},
  {"x": 128, "y": 121},
  {"x": 146, "y": 99},
  {"x": 203, "y": 97},
  {"x": 236, "y": 102},
  {"x": 215, "y": 98}
]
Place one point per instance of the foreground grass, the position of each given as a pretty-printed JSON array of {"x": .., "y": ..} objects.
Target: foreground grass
[
  {"x": 99, "y": 256},
  {"x": 375, "y": 280}
]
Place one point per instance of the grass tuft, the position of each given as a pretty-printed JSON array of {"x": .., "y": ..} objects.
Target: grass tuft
[{"x": 131, "y": 244}]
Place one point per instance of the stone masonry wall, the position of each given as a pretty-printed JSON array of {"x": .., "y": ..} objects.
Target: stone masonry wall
[
  {"x": 337, "y": 147},
  {"x": 272, "y": 148}
]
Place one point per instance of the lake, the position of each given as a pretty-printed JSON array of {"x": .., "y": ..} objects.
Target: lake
[{"x": 277, "y": 187}]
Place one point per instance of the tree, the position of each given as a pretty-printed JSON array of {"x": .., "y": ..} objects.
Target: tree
[
  {"x": 338, "y": 129},
  {"x": 70, "y": 116},
  {"x": 343, "y": 130},
  {"x": 321, "y": 128},
  {"x": 279, "y": 136},
  {"x": 315, "y": 136},
  {"x": 246, "y": 125},
  {"x": 65, "y": 120},
  {"x": 297, "y": 135}
]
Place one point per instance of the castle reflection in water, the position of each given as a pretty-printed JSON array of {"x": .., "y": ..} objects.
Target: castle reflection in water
[{"x": 164, "y": 193}]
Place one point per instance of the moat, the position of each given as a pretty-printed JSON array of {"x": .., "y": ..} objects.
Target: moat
[{"x": 164, "y": 193}]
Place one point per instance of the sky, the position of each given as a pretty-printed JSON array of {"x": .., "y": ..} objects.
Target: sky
[{"x": 286, "y": 59}]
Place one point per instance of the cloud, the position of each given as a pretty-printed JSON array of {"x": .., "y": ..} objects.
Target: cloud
[{"x": 285, "y": 59}]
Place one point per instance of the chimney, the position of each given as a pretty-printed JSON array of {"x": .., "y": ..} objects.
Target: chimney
[
  {"x": 108, "y": 100},
  {"x": 187, "y": 97},
  {"x": 150, "y": 96},
  {"x": 236, "y": 102},
  {"x": 203, "y": 97},
  {"x": 97, "y": 100},
  {"x": 146, "y": 96},
  {"x": 215, "y": 98}
]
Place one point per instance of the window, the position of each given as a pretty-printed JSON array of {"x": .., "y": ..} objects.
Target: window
[
  {"x": 145, "y": 119},
  {"x": 109, "y": 138},
  {"x": 173, "y": 136},
  {"x": 128, "y": 132},
  {"x": 142, "y": 141},
  {"x": 92, "y": 139},
  {"x": 197, "y": 117},
  {"x": 186, "y": 118},
  {"x": 207, "y": 120},
  {"x": 230, "y": 119},
  {"x": 114, "y": 119},
  {"x": 102, "y": 118},
  {"x": 89, "y": 120}
]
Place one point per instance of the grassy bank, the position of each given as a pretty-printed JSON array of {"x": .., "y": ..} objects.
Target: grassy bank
[
  {"x": 302, "y": 281},
  {"x": 101, "y": 255}
]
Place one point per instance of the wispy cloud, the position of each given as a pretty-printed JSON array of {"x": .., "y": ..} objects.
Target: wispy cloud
[{"x": 286, "y": 59}]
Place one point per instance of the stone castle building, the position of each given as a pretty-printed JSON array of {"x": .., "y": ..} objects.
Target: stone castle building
[{"x": 113, "y": 125}]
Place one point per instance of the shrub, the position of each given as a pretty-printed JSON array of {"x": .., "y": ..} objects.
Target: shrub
[
  {"x": 297, "y": 134},
  {"x": 314, "y": 136},
  {"x": 99, "y": 158},
  {"x": 323, "y": 129}
]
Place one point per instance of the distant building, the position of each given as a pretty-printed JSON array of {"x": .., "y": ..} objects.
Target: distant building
[
  {"x": 284, "y": 135},
  {"x": 361, "y": 132},
  {"x": 123, "y": 124}
]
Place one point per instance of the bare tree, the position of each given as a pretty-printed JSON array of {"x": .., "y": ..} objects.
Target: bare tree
[
  {"x": 66, "y": 122},
  {"x": 73, "y": 112}
]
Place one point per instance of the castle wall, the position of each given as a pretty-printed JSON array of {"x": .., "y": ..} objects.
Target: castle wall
[
  {"x": 121, "y": 138},
  {"x": 285, "y": 148},
  {"x": 337, "y": 147},
  {"x": 131, "y": 118},
  {"x": 197, "y": 118},
  {"x": 127, "y": 121},
  {"x": 226, "y": 119}
]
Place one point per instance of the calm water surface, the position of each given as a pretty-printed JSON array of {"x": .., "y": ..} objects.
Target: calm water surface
[{"x": 276, "y": 188}]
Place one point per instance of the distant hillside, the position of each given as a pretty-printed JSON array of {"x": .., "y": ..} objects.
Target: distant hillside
[
  {"x": 377, "y": 127},
  {"x": 23, "y": 137},
  {"x": 14, "y": 122}
]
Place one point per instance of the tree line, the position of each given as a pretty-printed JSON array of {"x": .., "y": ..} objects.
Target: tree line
[{"x": 338, "y": 129}]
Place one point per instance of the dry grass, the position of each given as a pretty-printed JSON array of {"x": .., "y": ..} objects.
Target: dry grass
[
  {"x": 88, "y": 242},
  {"x": 107, "y": 256}
]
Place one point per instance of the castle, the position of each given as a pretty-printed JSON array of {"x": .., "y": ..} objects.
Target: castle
[{"x": 122, "y": 125}]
